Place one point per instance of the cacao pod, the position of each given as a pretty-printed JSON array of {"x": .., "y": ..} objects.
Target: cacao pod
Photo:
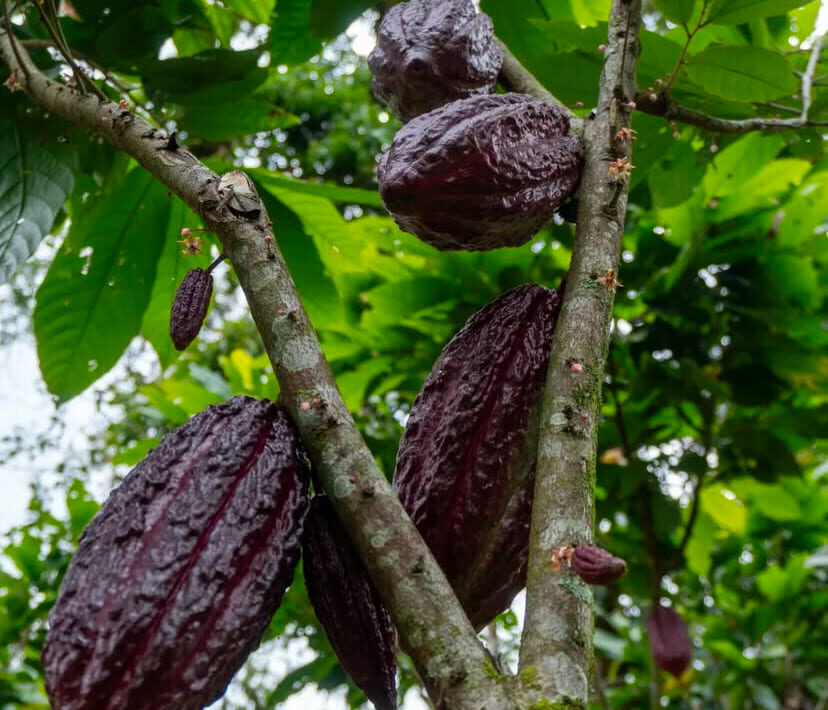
[
  {"x": 189, "y": 308},
  {"x": 466, "y": 463},
  {"x": 480, "y": 173},
  {"x": 431, "y": 53},
  {"x": 669, "y": 640},
  {"x": 597, "y": 566},
  {"x": 176, "y": 578},
  {"x": 348, "y": 606}
]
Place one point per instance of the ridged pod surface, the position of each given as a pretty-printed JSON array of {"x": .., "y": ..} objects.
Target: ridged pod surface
[
  {"x": 348, "y": 606},
  {"x": 480, "y": 173},
  {"x": 189, "y": 308},
  {"x": 177, "y": 576},
  {"x": 597, "y": 566},
  {"x": 466, "y": 463},
  {"x": 432, "y": 52},
  {"x": 669, "y": 640}
]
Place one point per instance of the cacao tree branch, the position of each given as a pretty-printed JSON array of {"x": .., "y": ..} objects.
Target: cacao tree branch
[
  {"x": 664, "y": 106},
  {"x": 516, "y": 77},
  {"x": 557, "y": 636},
  {"x": 660, "y": 104},
  {"x": 452, "y": 662}
]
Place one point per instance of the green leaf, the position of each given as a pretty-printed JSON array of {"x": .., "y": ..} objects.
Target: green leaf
[
  {"x": 217, "y": 122},
  {"x": 805, "y": 211},
  {"x": 137, "y": 452},
  {"x": 795, "y": 278},
  {"x": 335, "y": 193},
  {"x": 94, "y": 295},
  {"x": 81, "y": 506},
  {"x": 738, "y": 163},
  {"x": 291, "y": 38},
  {"x": 678, "y": 11},
  {"x": 34, "y": 185},
  {"x": 778, "y": 583},
  {"x": 172, "y": 267},
  {"x": 330, "y": 17},
  {"x": 257, "y": 11},
  {"x": 590, "y": 12},
  {"x": 742, "y": 73},
  {"x": 673, "y": 180},
  {"x": 736, "y": 12},
  {"x": 722, "y": 506}
]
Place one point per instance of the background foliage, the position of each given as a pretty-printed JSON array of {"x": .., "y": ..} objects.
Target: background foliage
[{"x": 711, "y": 480}]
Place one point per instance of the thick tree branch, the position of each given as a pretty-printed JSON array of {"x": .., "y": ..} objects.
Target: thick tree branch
[
  {"x": 436, "y": 632},
  {"x": 557, "y": 636}
]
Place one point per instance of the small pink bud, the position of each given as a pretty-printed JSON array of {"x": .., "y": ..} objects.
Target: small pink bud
[
  {"x": 576, "y": 367},
  {"x": 305, "y": 406},
  {"x": 186, "y": 231},
  {"x": 631, "y": 104},
  {"x": 602, "y": 48}
]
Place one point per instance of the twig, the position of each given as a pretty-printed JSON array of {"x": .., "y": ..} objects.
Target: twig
[
  {"x": 515, "y": 77},
  {"x": 808, "y": 77},
  {"x": 662, "y": 105}
]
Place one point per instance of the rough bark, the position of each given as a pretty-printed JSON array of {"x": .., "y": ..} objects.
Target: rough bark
[{"x": 453, "y": 664}]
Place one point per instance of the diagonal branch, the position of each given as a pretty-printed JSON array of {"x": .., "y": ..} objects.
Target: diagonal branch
[
  {"x": 437, "y": 634},
  {"x": 557, "y": 635}
]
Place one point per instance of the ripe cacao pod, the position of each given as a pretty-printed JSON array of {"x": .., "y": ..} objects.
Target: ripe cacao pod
[
  {"x": 597, "y": 566},
  {"x": 480, "y": 173},
  {"x": 431, "y": 53},
  {"x": 189, "y": 308},
  {"x": 176, "y": 578},
  {"x": 669, "y": 640},
  {"x": 466, "y": 463},
  {"x": 348, "y": 606}
]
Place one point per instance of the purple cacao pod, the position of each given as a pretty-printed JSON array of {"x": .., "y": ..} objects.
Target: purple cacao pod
[
  {"x": 597, "y": 566},
  {"x": 466, "y": 463},
  {"x": 348, "y": 606},
  {"x": 481, "y": 173},
  {"x": 669, "y": 640},
  {"x": 189, "y": 308},
  {"x": 430, "y": 53},
  {"x": 176, "y": 578}
]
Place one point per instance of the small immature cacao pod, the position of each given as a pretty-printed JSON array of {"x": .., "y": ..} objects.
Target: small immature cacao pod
[
  {"x": 466, "y": 463},
  {"x": 348, "y": 606},
  {"x": 176, "y": 578},
  {"x": 669, "y": 640},
  {"x": 480, "y": 173},
  {"x": 189, "y": 308},
  {"x": 597, "y": 566},
  {"x": 432, "y": 52}
]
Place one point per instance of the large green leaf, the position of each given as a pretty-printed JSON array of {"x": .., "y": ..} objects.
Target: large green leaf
[
  {"x": 34, "y": 184},
  {"x": 678, "y": 11},
  {"x": 330, "y": 17},
  {"x": 735, "y": 12},
  {"x": 254, "y": 10},
  {"x": 336, "y": 193},
  {"x": 291, "y": 39},
  {"x": 94, "y": 295},
  {"x": 217, "y": 122},
  {"x": 742, "y": 73}
]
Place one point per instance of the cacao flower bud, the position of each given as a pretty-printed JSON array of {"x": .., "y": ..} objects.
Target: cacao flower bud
[
  {"x": 348, "y": 606},
  {"x": 189, "y": 308},
  {"x": 597, "y": 566},
  {"x": 669, "y": 640},
  {"x": 177, "y": 576},
  {"x": 480, "y": 173},
  {"x": 466, "y": 463},
  {"x": 431, "y": 53}
]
